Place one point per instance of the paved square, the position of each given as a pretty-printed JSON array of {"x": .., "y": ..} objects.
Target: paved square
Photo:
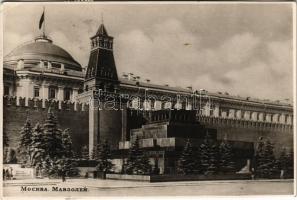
[{"x": 97, "y": 187}]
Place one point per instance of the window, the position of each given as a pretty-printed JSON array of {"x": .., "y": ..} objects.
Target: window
[
  {"x": 6, "y": 90},
  {"x": 56, "y": 65},
  {"x": 67, "y": 94},
  {"x": 52, "y": 93},
  {"x": 36, "y": 91}
]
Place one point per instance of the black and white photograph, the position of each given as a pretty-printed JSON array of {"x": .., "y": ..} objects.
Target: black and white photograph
[{"x": 125, "y": 99}]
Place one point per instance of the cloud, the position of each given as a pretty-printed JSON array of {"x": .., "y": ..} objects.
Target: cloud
[
  {"x": 240, "y": 48},
  {"x": 13, "y": 40},
  {"x": 242, "y": 64}
]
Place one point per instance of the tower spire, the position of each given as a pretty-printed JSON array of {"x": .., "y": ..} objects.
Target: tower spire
[{"x": 102, "y": 19}]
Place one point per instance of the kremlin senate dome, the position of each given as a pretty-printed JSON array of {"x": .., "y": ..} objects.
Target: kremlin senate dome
[{"x": 41, "y": 52}]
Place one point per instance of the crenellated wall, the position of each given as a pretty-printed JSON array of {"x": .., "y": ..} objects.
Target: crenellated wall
[
  {"x": 70, "y": 115},
  {"x": 281, "y": 135}
]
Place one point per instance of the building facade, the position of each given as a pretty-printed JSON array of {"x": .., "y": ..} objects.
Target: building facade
[{"x": 40, "y": 74}]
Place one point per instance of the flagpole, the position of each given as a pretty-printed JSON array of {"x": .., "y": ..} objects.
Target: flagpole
[{"x": 44, "y": 22}]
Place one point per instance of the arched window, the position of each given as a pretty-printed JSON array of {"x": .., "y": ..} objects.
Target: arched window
[
  {"x": 67, "y": 94},
  {"x": 136, "y": 103},
  {"x": 52, "y": 92}
]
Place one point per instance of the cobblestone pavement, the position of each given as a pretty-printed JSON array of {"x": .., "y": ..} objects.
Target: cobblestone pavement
[{"x": 97, "y": 187}]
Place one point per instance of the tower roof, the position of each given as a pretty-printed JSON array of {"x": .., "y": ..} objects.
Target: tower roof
[
  {"x": 102, "y": 30},
  {"x": 101, "y": 61}
]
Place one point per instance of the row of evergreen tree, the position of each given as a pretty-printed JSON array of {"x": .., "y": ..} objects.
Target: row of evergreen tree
[
  {"x": 47, "y": 148},
  {"x": 137, "y": 162},
  {"x": 213, "y": 158},
  {"x": 209, "y": 158},
  {"x": 266, "y": 165}
]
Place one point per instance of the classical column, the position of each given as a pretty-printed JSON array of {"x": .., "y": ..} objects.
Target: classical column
[
  {"x": 189, "y": 106},
  {"x": 60, "y": 96},
  {"x": 17, "y": 101},
  {"x": 74, "y": 94},
  {"x": 124, "y": 123},
  {"x": 74, "y": 97},
  {"x": 44, "y": 94},
  {"x": 216, "y": 111},
  {"x": 49, "y": 65},
  {"x": 60, "y": 93},
  {"x": 62, "y": 67},
  {"x": 20, "y": 64}
]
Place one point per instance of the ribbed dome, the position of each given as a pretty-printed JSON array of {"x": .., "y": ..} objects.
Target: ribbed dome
[{"x": 43, "y": 49}]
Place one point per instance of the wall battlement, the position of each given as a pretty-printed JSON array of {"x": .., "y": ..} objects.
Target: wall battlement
[
  {"x": 243, "y": 123},
  {"x": 36, "y": 103},
  {"x": 16, "y": 110}
]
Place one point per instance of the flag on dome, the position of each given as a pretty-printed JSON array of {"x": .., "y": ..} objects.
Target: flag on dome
[{"x": 41, "y": 20}]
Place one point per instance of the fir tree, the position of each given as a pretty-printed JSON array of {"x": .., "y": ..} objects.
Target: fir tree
[
  {"x": 103, "y": 157},
  {"x": 266, "y": 163},
  {"x": 209, "y": 156},
  {"x": 282, "y": 160},
  {"x": 5, "y": 139},
  {"x": 213, "y": 160},
  {"x": 187, "y": 161},
  {"x": 259, "y": 154},
  {"x": 5, "y": 146},
  {"x": 144, "y": 165},
  {"x": 137, "y": 162},
  {"x": 54, "y": 144},
  {"x": 25, "y": 142},
  {"x": 67, "y": 143},
  {"x": 226, "y": 162},
  {"x": 204, "y": 149},
  {"x": 85, "y": 152},
  {"x": 55, "y": 167},
  {"x": 290, "y": 164},
  {"x": 95, "y": 152},
  {"x": 38, "y": 146}
]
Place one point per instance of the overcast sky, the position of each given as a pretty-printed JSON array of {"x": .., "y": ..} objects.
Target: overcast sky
[{"x": 244, "y": 49}]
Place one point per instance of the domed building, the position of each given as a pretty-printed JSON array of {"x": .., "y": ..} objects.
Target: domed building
[{"x": 41, "y": 69}]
